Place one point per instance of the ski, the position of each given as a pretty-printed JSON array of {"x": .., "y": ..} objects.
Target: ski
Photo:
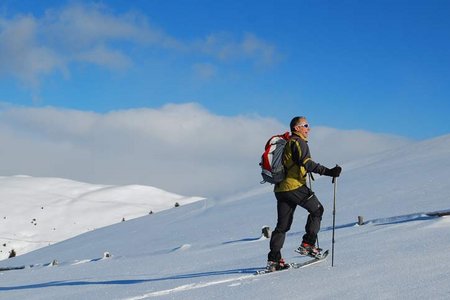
[
  {"x": 298, "y": 265},
  {"x": 312, "y": 261},
  {"x": 319, "y": 255}
]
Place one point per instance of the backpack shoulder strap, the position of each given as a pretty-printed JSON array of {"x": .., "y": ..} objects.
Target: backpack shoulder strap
[
  {"x": 295, "y": 147},
  {"x": 300, "y": 161}
]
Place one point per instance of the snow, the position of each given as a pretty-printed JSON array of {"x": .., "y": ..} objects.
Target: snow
[
  {"x": 36, "y": 212},
  {"x": 209, "y": 249}
]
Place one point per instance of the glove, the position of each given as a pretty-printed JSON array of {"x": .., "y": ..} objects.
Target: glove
[{"x": 333, "y": 172}]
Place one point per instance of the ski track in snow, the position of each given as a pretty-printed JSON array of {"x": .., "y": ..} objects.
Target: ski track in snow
[
  {"x": 234, "y": 281},
  {"x": 192, "y": 286}
]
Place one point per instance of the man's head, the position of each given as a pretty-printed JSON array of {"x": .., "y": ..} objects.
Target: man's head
[{"x": 300, "y": 125}]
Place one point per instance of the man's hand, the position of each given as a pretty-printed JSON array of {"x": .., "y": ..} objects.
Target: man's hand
[{"x": 333, "y": 172}]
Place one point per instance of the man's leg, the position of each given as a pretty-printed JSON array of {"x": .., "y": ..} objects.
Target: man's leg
[
  {"x": 304, "y": 197},
  {"x": 315, "y": 209},
  {"x": 285, "y": 211}
]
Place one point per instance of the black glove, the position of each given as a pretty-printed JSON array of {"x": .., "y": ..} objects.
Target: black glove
[{"x": 334, "y": 172}]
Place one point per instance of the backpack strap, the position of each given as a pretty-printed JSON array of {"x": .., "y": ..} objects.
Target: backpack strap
[{"x": 300, "y": 162}]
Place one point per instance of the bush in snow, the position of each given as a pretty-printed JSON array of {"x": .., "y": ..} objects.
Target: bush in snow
[{"x": 12, "y": 253}]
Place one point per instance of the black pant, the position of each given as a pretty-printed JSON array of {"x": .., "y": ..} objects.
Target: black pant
[{"x": 286, "y": 204}]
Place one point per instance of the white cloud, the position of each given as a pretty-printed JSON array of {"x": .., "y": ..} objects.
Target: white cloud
[
  {"x": 104, "y": 56},
  {"x": 205, "y": 70},
  {"x": 22, "y": 55},
  {"x": 181, "y": 148},
  {"x": 331, "y": 146},
  {"x": 226, "y": 47},
  {"x": 33, "y": 47}
]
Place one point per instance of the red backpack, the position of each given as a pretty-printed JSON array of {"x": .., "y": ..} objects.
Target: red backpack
[{"x": 272, "y": 169}]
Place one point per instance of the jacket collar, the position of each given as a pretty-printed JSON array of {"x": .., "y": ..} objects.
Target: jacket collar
[{"x": 300, "y": 135}]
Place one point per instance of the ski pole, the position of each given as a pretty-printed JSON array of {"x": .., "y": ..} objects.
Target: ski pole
[{"x": 334, "y": 221}]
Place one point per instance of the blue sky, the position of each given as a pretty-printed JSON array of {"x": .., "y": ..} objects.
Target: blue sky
[{"x": 381, "y": 66}]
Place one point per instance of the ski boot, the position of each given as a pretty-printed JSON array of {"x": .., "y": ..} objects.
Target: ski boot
[
  {"x": 309, "y": 250},
  {"x": 273, "y": 266}
]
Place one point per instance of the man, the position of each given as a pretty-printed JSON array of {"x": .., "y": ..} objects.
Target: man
[{"x": 293, "y": 192}]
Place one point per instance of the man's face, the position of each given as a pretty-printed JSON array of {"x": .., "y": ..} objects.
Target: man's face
[{"x": 303, "y": 127}]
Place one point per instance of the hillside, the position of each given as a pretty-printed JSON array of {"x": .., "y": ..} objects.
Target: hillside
[
  {"x": 37, "y": 212},
  {"x": 211, "y": 248}
]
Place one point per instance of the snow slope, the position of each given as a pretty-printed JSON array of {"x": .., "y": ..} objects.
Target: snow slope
[
  {"x": 211, "y": 248},
  {"x": 37, "y": 212}
]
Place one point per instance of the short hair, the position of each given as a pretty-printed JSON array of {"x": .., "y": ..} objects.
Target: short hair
[{"x": 295, "y": 121}]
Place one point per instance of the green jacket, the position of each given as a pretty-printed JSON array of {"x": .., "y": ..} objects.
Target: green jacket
[{"x": 298, "y": 163}]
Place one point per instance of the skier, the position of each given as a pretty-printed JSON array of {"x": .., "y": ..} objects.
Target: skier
[{"x": 292, "y": 191}]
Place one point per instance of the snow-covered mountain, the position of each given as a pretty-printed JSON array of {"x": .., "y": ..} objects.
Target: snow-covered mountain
[
  {"x": 37, "y": 212},
  {"x": 211, "y": 248}
]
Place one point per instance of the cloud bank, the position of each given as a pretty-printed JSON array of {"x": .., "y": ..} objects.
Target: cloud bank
[{"x": 183, "y": 148}]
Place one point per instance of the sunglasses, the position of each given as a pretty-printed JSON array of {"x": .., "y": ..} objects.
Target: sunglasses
[{"x": 303, "y": 125}]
